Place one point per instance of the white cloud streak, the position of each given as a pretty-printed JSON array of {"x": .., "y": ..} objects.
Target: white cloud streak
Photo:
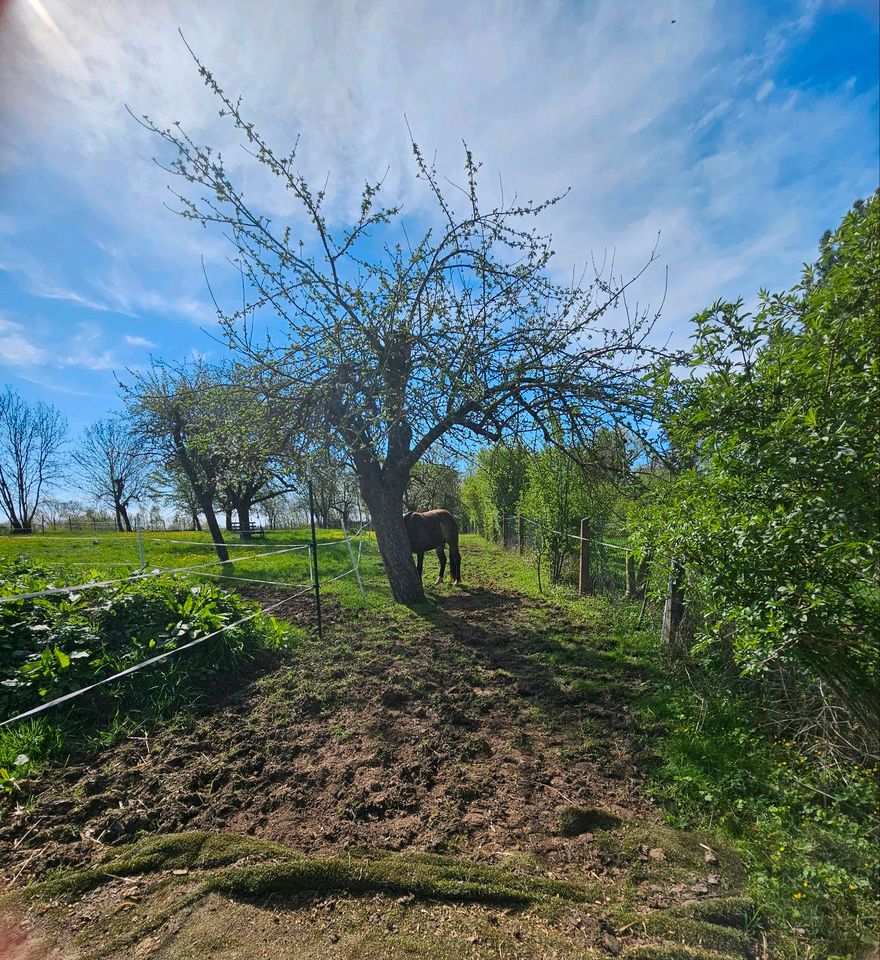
[{"x": 654, "y": 126}]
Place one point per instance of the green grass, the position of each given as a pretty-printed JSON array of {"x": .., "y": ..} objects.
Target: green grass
[{"x": 115, "y": 555}]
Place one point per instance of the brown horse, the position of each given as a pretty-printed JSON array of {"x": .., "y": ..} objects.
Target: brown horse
[{"x": 432, "y": 530}]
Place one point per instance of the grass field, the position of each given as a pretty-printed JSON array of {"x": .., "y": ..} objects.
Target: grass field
[{"x": 281, "y": 559}]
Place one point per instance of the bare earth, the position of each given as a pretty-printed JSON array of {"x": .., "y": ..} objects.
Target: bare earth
[{"x": 497, "y": 731}]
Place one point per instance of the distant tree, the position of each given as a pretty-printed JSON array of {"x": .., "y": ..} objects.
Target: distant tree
[
  {"x": 31, "y": 438},
  {"x": 435, "y": 485},
  {"x": 260, "y": 448},
  {"x": 219, "y": 427},
  {"x": 477, "y": 500},
  {"x": 397, "y": 345},
  {"x": 557, "y": 497},
  {"x": 170, "y": 485},
  {"x": 172, "y": 411},
  {"x": 56, "y": 512},
  {"x": 111, "y": 461},
  {"x": 506, "y": 467}
]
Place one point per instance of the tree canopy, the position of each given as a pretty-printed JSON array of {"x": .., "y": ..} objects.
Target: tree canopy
[{"x": 397, "y": 342}]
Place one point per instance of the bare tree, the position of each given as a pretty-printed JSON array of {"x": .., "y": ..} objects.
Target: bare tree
[
  {"x": 112, "y": 463},
  {"x": 172, "y": 412},
  {"x": 396, "y": 345},
  {"x": 31, "y": 437}
]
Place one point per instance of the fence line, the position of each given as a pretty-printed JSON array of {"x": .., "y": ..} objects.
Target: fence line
[
  {"x": 562, "y": 533},
  {"x": 77, "y": 588},
  {"x": 146, "y": 663},
  {"x": 193, "y": 643}
]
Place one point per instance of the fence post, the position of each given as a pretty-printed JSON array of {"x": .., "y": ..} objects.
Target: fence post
[
  {"x": 673, "y": 610},
  {"x": 315, "y": 557},
  {"x": 584, "y": 585},
  {"x": 140, "y": 544},
  {"x": 354, "y": 563},
  {"x": 521, "y": 534},
  {"x": 631, "y": 588}
]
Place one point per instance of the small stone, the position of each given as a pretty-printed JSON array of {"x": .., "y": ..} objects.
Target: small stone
[
  {"x": 656, "y": 853},
  {"x": 611, "y": 943},
  {"x": 710, "y": 856}
]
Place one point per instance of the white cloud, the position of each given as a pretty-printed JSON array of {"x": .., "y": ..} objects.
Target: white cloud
[
  {"x": 654, "y": 126},
  {"x": 138, "y": 341},
  {"x": 764, "y": 90},
  {"x": 16, "y": 349}
]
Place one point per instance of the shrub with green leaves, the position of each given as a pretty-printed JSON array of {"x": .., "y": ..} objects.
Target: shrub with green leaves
[
  {"x": 57, "y": 644},
  {"x": 773, "y": 505}
]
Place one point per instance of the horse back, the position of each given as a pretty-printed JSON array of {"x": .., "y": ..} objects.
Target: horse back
[{"x": 431, "y": 529}]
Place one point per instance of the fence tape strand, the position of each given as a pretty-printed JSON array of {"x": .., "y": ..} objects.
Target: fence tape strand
[{"x": 146, "y": 663}]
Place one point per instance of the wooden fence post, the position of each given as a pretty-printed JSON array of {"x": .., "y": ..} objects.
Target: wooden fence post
[
  {"x": 673, "y": 610},
  {"x": 521, "y": 534},
  {"x": 584, "y": 585},
  {"x": 631, "y": 589}
]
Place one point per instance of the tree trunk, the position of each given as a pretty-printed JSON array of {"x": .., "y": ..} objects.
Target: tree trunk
[
  {"x": 384, "y": 499},
  {"x": 123, "y": 513},
  {"x": 243, "y": 509},
  {"x": 204, "y": 496},
  {"x": 216, "y": 535},
  {"x": 229, "y": 518},
  {"x": 197, "y": 524},
  {"x": 642, "y": 573},
  {"x": 631, "y": 583}
]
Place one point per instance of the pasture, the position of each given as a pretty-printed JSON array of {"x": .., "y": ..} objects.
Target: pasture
[
  {"x": 466, "y": 777},
  {"x": 281, "y": 558}
]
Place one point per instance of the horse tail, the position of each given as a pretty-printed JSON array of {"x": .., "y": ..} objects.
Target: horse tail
[{"x": 449, "y": 528}]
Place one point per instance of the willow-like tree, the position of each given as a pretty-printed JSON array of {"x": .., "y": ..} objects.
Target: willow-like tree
[{"x": 399, "y": 340}]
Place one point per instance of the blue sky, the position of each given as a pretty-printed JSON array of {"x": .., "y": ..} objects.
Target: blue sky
[{"x": 739, "y": 133}]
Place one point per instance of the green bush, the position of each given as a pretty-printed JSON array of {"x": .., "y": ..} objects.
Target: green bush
[
  {"x": 773, "y": 504},
  {"x": 54, "y": 645}
]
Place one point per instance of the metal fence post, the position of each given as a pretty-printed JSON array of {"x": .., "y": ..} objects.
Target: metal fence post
[
  {"x": 584, "y": 585},
  {"x": 315, "y": 557},
  {"x": 521, "y": 533},
  {"x": 140, "y": 545}
]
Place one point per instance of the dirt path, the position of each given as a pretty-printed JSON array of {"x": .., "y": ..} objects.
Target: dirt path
[{"x": 492, "y": 730}]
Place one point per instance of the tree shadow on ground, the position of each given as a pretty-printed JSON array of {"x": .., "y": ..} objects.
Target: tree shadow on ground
[{"x": 568, "y": 671}]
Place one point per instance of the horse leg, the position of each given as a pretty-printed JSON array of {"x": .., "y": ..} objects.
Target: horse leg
[
  {"x": 455, "y": 563},
  {"x": 420, "y": 559},
  {"x": 441, "y": 556}
]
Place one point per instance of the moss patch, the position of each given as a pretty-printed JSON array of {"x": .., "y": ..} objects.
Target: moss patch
[
  {"x": 696, "y": 933},
  {"x": 246, "y": 867},
  {"x": 577, "y": 820}
]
